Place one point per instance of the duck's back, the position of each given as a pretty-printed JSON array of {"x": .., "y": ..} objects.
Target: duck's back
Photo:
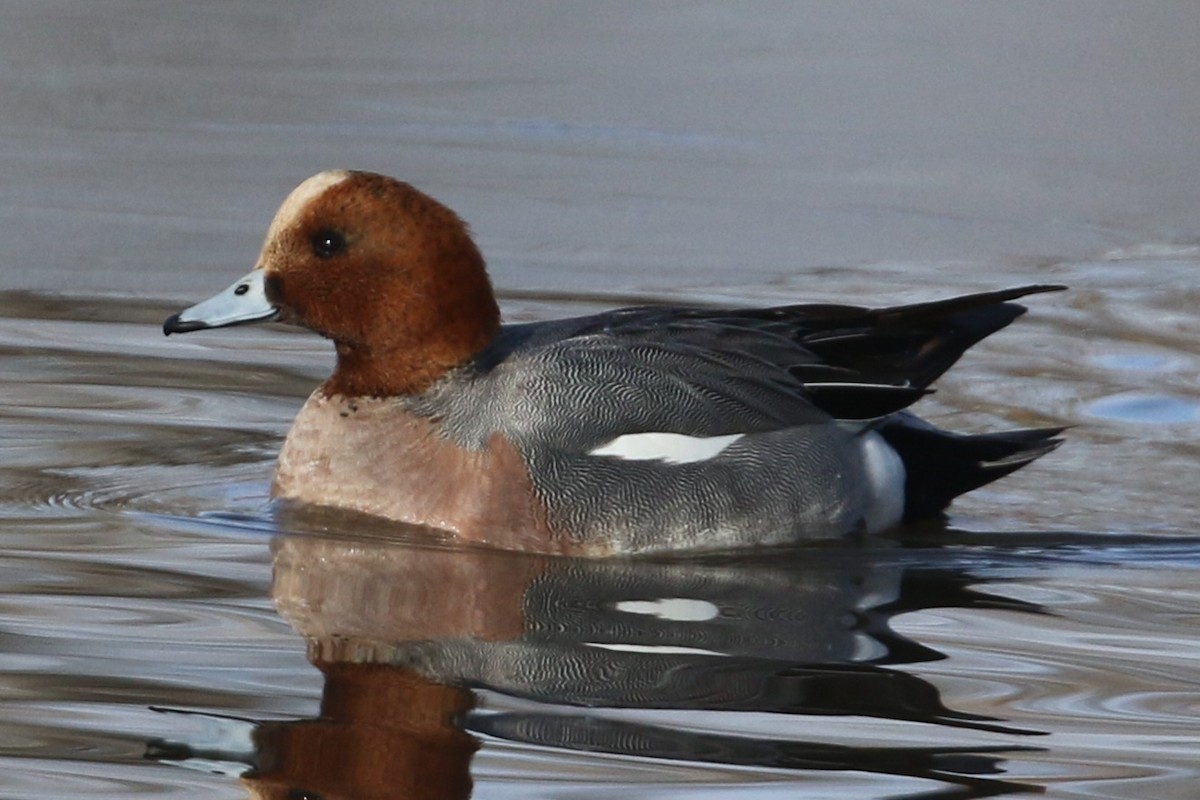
[{"x": 669, "y": 428}]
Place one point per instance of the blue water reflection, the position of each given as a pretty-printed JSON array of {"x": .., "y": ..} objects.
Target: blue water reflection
[{"x": 1146, "y": 408}]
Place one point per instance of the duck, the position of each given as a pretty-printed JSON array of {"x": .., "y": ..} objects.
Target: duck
[{"x": 649, "y": 429}]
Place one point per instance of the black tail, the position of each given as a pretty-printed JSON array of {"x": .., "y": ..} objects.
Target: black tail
[{"x": 941, "y": 465}]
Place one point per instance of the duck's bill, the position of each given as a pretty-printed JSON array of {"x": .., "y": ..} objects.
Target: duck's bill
[{"x": 242, "y": 303}]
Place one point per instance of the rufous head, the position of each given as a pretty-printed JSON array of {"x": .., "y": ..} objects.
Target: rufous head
[{"x": 388, "y": 273}]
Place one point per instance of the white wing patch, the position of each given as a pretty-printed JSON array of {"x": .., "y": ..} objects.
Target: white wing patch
[
  {"x": 656, "y": 649},
  {"x": 674, "y": 609},
  {"x": 673, "y": 448}
]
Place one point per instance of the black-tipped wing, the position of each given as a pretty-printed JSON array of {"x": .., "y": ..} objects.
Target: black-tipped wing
[
  {"x": 709, "y": 372},
  {"x": 908, "y": 345}
]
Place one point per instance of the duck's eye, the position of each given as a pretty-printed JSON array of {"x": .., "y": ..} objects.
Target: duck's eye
[{"x": 327, "y": 243}]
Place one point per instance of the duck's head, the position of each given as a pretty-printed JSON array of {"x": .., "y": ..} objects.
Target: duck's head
[{"x": 385, "y": 271}]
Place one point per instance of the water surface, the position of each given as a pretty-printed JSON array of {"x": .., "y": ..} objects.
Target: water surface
[{"x": 156, "y": 616}]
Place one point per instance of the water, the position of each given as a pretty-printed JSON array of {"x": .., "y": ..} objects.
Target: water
[
  {"x": 154, "y": 616},
  {"x": 149, "y": 595}
]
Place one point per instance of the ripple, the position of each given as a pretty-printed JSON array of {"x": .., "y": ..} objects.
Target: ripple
[
  {"x": 55, "y": 778},
  {"x": 82, "y": 492},
  {"x": 1142, "y": 362},
  {"x": 112, "y": 449},
  {"x": 136, "y": 566},
  {"x": 1116, "y": 661},
  {"x": 1155, "y": 251},
  {"x": 1143, "y": 408}
]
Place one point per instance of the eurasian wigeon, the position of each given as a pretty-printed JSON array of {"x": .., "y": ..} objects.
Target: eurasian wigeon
[{"x": 640, "y": 429}]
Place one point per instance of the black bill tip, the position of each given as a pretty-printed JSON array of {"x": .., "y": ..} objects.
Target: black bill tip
[{"x": 174, "y": 324}]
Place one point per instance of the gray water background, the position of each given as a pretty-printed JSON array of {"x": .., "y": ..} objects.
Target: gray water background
[{"x": 869, "y": 152}]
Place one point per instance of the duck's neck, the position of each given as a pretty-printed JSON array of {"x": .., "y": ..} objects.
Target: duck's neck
[
  {"x": 411, "y": 364},
  {"x": 360, "y": 372},
  {"x": 422, "y": 324}
]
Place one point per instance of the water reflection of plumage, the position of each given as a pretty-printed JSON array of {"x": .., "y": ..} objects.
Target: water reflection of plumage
[
  {"x": 407, "y": 636},
  {"x": 649, "y": 644}
]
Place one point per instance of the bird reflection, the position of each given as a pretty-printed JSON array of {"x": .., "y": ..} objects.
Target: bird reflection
[{"x": 406, "y": 635}]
